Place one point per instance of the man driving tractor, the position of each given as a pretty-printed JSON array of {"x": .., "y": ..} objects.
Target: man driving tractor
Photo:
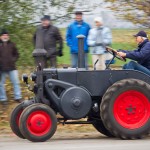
[{"x": 141, "y": 55}]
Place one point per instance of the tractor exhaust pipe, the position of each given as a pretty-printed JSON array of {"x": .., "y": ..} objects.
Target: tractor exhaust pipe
[{"x": 81, "y": 55}]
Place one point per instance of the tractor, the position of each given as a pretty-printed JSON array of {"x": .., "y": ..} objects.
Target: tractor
[{"x": 115, "y": 102}]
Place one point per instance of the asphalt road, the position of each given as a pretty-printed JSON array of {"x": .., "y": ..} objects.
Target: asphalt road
[{"x": 71, "y": 141}]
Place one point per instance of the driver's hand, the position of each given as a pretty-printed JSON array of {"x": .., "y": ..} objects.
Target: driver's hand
[{"x": 122, "y": 54}]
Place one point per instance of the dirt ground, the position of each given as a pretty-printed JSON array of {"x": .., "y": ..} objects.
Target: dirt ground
[{"x": 5, "y": 128}]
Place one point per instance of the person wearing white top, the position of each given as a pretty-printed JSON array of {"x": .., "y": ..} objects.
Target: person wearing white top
[{"x": 98, "y": 38}]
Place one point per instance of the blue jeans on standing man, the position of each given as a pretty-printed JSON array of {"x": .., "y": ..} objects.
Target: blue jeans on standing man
[
  {"x": 13, "y": 75},
  {"x": 135, "y": 66},
  {"x": 74, "y": 59}
]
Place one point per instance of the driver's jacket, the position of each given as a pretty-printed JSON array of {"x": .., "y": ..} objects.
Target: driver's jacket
[{"x": 141, "y": 55}]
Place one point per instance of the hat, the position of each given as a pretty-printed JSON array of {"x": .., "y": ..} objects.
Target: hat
[
  {"x": 4, "y": 31},
  {"x": 141, "y": 33},
  {"x": 46, "y": 17},
  {"x": 78, "y": 13},
  {"x": 98, "y": 19}
]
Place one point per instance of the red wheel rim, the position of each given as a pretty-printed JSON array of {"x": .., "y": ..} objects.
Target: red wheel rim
[
  {"x": 131, "y": 109},
  {"x": 39, "y": 123},
  {"x": 18, "y": 117}
]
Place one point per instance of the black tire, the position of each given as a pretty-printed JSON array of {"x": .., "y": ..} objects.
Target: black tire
[
  {"x": 14, "y": 120},
  {"x": 38, "y": 123},
  {"x": 125, "y": 109},
  {"x": 15, "y": 117},
  {"x": 99, "y": 126}
]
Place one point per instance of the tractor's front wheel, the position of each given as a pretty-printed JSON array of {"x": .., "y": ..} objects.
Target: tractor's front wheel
[
  {"x": 15, "y": 117},
  {"x": 38, "y": 123},
  {"x": 125, "y": 109}
]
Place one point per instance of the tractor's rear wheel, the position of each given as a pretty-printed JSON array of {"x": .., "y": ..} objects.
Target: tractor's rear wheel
[
  {"x": 38, "y": 123},
  {"x": 125, "y": 109}
]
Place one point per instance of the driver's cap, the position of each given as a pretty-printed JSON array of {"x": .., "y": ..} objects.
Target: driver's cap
[{"x": 141, "y": 33}]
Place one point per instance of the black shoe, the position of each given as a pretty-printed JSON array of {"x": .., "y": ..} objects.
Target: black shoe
[
  {"x": 4, "y": 105},
  {"x": 19, "y": 100}
]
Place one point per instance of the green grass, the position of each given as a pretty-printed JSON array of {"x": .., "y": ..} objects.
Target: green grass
[
  {"x": 66, "y": 60},
  {"x": 122, "y": 39},
  {"x": 66, "y": 57},
  {"x": 124, "y": 46}
]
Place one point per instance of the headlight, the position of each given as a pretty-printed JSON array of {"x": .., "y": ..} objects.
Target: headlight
[{"x": 25, "y": 78}]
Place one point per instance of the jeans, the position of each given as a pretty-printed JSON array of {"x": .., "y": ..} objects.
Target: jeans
[
  {"x": 74, "y": 59},
  {"x": 13, "y": 75},
  {"x": 135, "y": 66}
]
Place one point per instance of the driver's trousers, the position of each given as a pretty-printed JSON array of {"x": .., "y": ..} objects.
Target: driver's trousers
[{"x": 135, "y": 66}]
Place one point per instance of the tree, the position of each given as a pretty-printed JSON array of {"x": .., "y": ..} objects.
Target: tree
[
  {"x": 15, "y": 16},
  {"x": 21, "y": 16},
  {"x": 62, "y": 10},
  {"x": 136, "y": 11}
]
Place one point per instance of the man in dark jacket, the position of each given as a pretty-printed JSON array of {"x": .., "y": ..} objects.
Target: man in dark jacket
[
  {"x": 76, "y": 28},
  {"x": 8, "y": 57},
  {"x": 141, "y": 55},
  {"x": 51, "y": 38}
]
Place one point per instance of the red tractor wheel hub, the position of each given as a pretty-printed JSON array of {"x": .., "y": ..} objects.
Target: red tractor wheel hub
[
  {"x": 39, "y": 123},
  {"x": 131, "y": 109}
]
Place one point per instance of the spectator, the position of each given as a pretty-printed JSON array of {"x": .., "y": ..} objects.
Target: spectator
[
  {"x": 8, "y": 57},
  {"x": 51, "y": 37},
  {"x": 98, "y": 39},
  {"x": 141, "y": 54},
  {"x": 76, "y": 28}
]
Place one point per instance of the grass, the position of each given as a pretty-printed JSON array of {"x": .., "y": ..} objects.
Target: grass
[
  {"x": 122, "y": 39},
  {"x": 66, "y": 60}
]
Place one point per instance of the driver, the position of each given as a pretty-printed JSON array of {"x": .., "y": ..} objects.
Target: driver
[{"x": 141, "y": 55}]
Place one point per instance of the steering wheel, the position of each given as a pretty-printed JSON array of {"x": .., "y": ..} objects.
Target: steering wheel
[{"x": 114, "y": 53}]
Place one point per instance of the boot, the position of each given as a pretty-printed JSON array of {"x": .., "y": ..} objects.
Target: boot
[
  {"x": 19, "y": 100},
  {"x": 4, "y": 105}
]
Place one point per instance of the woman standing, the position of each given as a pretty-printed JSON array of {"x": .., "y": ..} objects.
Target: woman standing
[{"x": 99, "y": 37}]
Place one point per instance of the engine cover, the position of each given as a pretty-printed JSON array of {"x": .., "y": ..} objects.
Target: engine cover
[{"x": 75, "y": 103}]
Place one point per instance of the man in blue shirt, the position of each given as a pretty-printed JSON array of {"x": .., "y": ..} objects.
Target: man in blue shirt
[
  {"x": 141, "y": 55},
  {"x": 74, "y": 29}
]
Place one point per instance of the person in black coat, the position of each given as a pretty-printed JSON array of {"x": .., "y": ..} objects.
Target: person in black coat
[
  {"x": 141, "y": 55},
  {"x": 8, "y": 57},
  {"x": 52, "y": 40}
]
